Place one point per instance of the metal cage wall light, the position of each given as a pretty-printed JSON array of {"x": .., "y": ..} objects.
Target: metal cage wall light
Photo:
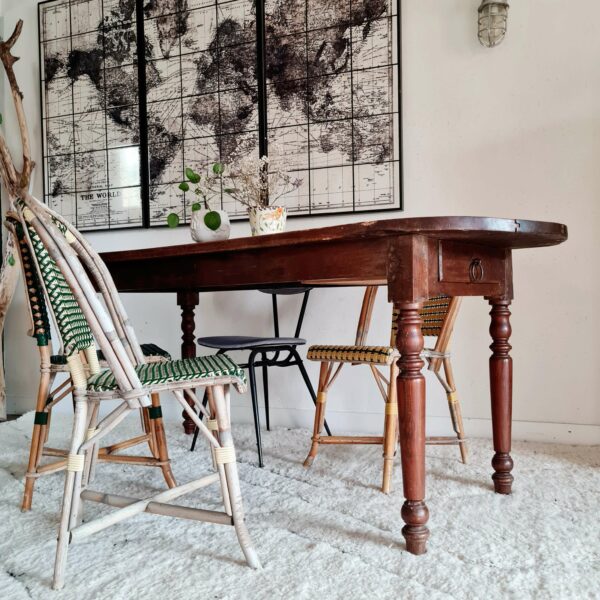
[{"x": 493, "y": 15}]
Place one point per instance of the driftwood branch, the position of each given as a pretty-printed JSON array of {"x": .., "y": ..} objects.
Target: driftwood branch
[
  {"x": 7, "y": 169},
  {"x": 8, "y": 61},
  {"x": 15, "y": 181}
]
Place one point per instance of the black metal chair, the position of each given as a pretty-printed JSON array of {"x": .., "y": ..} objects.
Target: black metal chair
[{"x": 260, "y": 348}]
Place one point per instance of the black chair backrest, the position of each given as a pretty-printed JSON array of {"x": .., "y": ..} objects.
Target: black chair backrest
[{"x": 288, "y": 292}]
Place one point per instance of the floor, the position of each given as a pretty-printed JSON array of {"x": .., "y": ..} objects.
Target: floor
[{"x": 326, "y": 532}]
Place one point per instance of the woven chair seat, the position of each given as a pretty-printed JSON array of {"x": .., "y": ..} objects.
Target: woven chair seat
[
  {"x": 373, "y": 355},
  {"x": 149, "y": 350},
  {"x": 185, "y": 369}
]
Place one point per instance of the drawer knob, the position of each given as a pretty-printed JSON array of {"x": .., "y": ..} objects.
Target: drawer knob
[{"x": 476, "y": 270}]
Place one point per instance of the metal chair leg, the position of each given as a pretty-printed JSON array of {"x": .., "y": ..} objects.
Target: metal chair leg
[
  {"x": 265, "y": 374},
  {"x": 308, "y": 384},
  {"x": 252, "y": 378}
]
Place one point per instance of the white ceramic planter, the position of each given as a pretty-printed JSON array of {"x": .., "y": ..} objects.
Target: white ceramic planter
[
  {"x": 202, "y": 233},
  {"x": 267, "y": 220}
]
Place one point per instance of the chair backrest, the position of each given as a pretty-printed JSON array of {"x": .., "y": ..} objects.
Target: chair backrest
[
  {"x": 72, "y": 325},
  {"x": 438, "y": 314},
  {"x": 34, "y": 290},
  {"x": 73, "y": 275},
  {"x": 274, "y": 292}
]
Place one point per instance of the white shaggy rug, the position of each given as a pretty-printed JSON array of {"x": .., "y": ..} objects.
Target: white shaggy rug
[{"x": 326, "y": 532}]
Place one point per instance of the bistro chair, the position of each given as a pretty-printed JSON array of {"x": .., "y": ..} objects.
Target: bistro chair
[
  {"x": 439, "y": 315},
  {"x": 71, "y": 272},
  {"x": 259, "y": 349},
  {"x": 53, "y": 363}
]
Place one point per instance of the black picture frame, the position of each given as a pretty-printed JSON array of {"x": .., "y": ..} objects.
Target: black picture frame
[{"x": 144, "y": 180}]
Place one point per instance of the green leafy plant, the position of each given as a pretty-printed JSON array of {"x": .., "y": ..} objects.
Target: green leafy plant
[
  {"x": 205, "y": 188},
  {"x": 173, "y": 220}
]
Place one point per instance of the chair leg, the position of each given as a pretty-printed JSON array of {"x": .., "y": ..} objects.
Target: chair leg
[
  {"x": 46, "y": 428},
  {"x": 455, "y": 411},
  {"x": 61, "y": 392},
  {"x": 265, "y": 374},
  {"x": 89, "y": 471},
  {"x": 390, "y": 430},
  {"x": 319, "y": 415},
  {"x": 148, "y": 428},
  {"x": 38, "y": 439},
  {"x": 308, "y": 384},
  {"x": 252, "y": 378},
  {"x": 200, "y": 415},
  {"x": 160, "y": 440},
  {"x": 77, "y": 506},
  {"x": 218, "y": 466},
  {"x": 456, "y": 415},
  {"x": 71, "y": 500},
  {"x": 233, "y": 482}
]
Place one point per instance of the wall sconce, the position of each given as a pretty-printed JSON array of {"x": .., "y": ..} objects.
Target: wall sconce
[{"x": 491, "y": 22}]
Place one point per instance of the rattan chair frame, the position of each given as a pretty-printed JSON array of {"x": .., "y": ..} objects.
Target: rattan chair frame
[
  {"x": 116, "y": 338},
  {"x": 436, "y": 358},
  {"x": 49, "y": 396}
]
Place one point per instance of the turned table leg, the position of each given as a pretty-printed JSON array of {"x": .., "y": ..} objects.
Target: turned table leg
[
  {"x": 501, "y": 394},
  {"x": 411, "y": 413},
  {"x": 188, "y": 302}
]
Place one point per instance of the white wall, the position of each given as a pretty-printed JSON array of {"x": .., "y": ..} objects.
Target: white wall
[{"x": 512, "y": 132}]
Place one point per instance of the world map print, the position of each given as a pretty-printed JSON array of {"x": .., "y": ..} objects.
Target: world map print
[
  {"x": 90, "y": 112},
  {"x": 316, "y": 81}
]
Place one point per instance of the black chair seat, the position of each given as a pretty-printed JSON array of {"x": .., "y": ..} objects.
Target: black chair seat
[{"x": 245, "y": 342}]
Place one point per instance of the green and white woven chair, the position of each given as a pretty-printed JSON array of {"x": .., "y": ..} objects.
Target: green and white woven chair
[
  {"x": 53, "y": 362},
  {"x": 85, "y": 317},
  {"x": 439, "y": 315}
]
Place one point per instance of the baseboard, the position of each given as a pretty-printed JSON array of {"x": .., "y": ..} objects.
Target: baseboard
[{"x": 370, "y": 422}]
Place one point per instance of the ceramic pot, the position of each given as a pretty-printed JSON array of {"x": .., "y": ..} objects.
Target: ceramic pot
[
  {"x": 201, "y": 232},
  {"x": 267, "y": 220}
]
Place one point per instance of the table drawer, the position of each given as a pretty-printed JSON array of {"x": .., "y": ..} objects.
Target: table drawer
[{"x": 468, "y": 263}]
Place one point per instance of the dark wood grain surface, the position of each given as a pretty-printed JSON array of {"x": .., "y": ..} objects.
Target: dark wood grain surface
[
  {"x": 504, "y": 233},
  {"x": 339, "y": 255}
]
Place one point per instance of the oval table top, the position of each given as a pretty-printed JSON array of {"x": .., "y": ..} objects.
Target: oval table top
[{"x": 491, "y": 231}]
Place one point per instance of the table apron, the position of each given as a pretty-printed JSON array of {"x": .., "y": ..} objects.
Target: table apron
[{"x": 415, "y": 268}]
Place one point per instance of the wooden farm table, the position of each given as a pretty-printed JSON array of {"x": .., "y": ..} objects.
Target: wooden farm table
[{"x": 416, "y": 259}]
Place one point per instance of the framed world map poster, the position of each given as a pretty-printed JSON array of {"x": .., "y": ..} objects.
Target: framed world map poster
[
  {"x": 90, "y": 112},
  {"x": 314, "y": 84},
  {"x": 333, "y": 89}
]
